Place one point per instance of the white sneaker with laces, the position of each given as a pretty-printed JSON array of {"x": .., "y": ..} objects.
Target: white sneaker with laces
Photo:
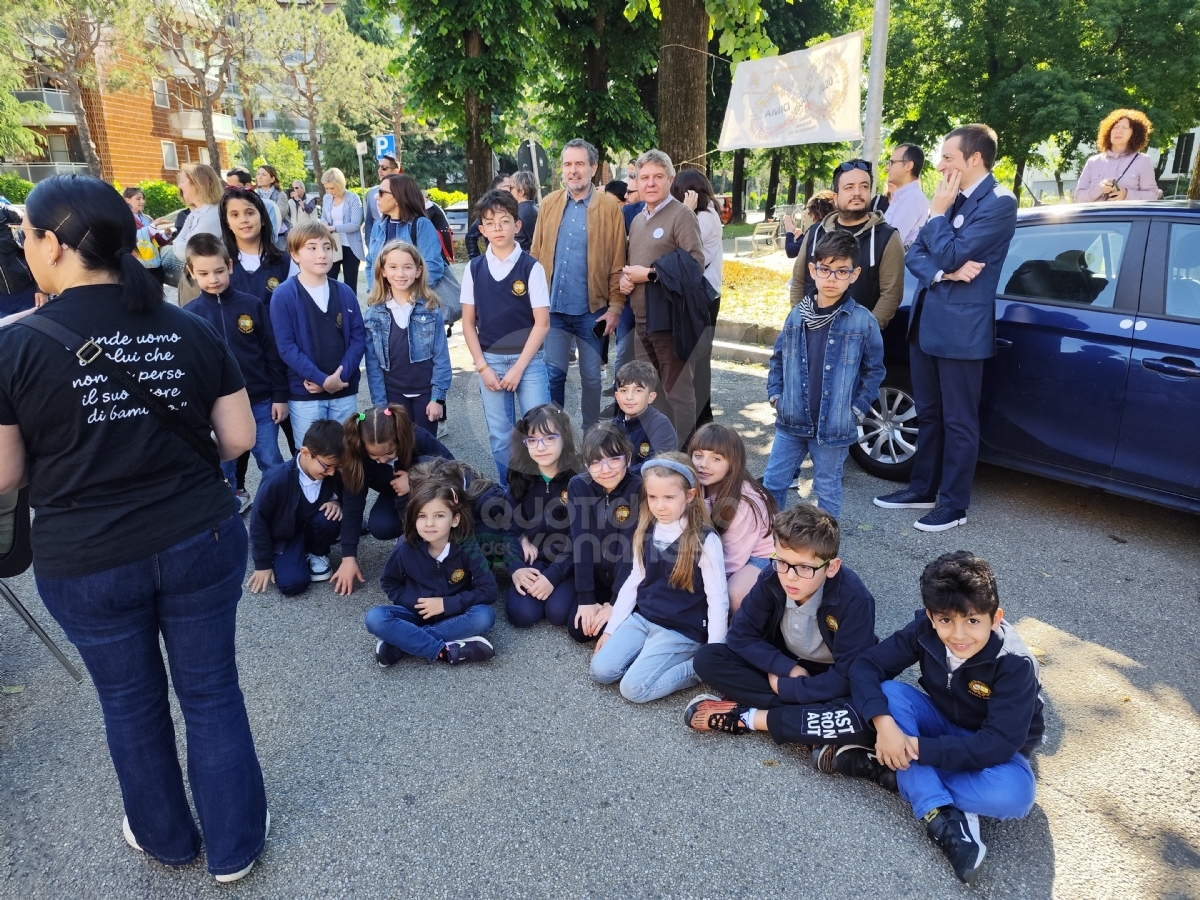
[{"x": 319, "y": 568}]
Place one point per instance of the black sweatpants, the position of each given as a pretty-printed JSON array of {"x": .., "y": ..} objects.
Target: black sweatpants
[{"x": 831, "y": 722}]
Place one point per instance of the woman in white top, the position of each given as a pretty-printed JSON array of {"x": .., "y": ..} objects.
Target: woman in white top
[
  {"x": 1120, "y": 171},
  {"x": 693, "y": 190},
  {"x": 342, "y": 211},
  {"x": 201, "y": 189}
]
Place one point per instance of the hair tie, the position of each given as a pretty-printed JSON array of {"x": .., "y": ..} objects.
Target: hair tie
[
  {"x": 387, "y": 412},
  {"x": 674, "y": 467},
  {"x": 362, "y": 416},
  {"x": 454, "y": 496}
]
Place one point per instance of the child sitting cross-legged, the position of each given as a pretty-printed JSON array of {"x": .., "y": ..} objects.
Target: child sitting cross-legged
[
  {"x": 441, "y": 590},
  {"x": 785, "y": 663},
  {"x": 489, "y": 507},
  {"x": 961, "y": 748},
  {"x": 649, "y": 431},
  {"x": 675, "y": 599}
]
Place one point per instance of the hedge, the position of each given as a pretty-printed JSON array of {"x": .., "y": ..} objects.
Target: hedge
[{"x": 14, "y": 187}]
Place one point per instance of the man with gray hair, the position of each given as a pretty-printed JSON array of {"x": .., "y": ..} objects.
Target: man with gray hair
[
  {"x": 661, "y": 228},
  {"x": 580, "y": 242}
]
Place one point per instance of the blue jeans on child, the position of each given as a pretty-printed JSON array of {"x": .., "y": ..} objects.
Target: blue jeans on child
[
  {"x": 558, "y": 347},
  {"x": 650, "y": 660},
  {"x": 405, "y": 630},
  {"x": 292, "y": 575},
  {"x": 524, "y": 611},
  {"x": 266, "y": 442},
  {"x": 624, "y": 333},
  {"x": 304, "y": 412},
  {"x": 787, "y": 452},
  {"x": 1006, "y": 791},
  {"x": 500, "y": 407},
  {"x": 188, "y": 594}
]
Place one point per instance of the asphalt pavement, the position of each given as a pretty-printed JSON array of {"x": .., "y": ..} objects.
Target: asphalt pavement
[{"x": 521, "y": 778}]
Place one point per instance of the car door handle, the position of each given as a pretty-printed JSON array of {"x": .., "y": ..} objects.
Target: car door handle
[
  {"x": 1002, "y": 344},
  {"x": 1172, "y": 365}
]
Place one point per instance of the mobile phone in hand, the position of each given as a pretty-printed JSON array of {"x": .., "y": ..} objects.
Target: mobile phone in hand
[{"x": 599, "y": 328}]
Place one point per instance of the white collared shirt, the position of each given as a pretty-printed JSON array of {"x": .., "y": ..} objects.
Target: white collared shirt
[
  {"x": 539, "y": 291},
  {"x": 908, "y": 211},
  {"x": 650, "y": 215},
  {"x": 310, "y": 486},
  {"x": 401, "y": 312}
]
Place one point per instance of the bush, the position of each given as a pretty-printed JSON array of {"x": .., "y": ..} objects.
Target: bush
[
  {"x": 445, "y": 199},
  {"x": 162, "y": 197},
  {"x": 14, "y": 187},
  {"x": 284, "y": 154}
]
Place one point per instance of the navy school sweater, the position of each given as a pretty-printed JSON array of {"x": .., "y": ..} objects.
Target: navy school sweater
[
  {"x": 273, "y": 517},
  {"x": 602, "y": 526},
  {"x": 994, "y": 694},
  {"x": 503, "y": 314},
  {"x": 650, "y": 433},
  {"x": 243, "y": 322},
  {"x": 846, "y": 618},
  {"x": 378, "y": 477},
  {"x": 670, "y": 607},
  {"x": 462, "y": 579},
  {"x": 298, "y": 346},
  {"x": 262, "y": 282},
  {"x": 543, "y": 515}
]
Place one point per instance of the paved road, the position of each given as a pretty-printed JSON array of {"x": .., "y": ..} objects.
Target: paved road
[{"x": 520, "y": 778}]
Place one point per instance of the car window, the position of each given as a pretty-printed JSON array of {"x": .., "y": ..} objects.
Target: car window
[
  {"x": 1183, "y": 272},
  {"x": 1070, "y": 262}
]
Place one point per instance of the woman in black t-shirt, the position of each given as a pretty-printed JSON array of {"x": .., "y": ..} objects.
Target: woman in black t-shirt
[{"x": 135, "y": 534}]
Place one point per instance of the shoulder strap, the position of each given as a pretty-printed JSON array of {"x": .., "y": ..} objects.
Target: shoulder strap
[{"x": 91, "y": 354}]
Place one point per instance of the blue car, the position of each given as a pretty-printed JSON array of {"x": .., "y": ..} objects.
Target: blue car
[{"x": 1096, "y": 377}]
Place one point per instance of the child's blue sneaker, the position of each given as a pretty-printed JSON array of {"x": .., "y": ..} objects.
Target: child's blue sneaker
[
  {"x": 319, "y": 567},
  {"x": 957, "y": 833},
  {"x": 472, "y": 649},
  {"x": 387, "y": 655}
]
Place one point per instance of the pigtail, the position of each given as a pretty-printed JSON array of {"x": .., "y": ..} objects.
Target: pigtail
[
  {"x": 401, "y": 431},
  {"x": 353, "y": 453}
]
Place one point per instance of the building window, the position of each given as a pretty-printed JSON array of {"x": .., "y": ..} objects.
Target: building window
[
  {"x": 170, "y": 157},
  {"x": 204, "y": 157},
  {"x": 161, "y": 97}
]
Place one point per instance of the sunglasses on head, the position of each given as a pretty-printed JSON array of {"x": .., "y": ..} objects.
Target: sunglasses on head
[{"x": 851, "y": 164}]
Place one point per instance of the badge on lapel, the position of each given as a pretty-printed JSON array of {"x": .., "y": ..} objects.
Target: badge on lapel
[
  {"x": 518, "y": 288},
  {"x": 658, "y": 232},
  {"x": 644, "y": 449},
  {"x": 979, "y": 689},
  {"x": 832, "y": 623},
  {"x": 457, "y": 575},
  {"x": 958, "y": 221},
  {"x": 563, "y": 496},
  {"x": 272, "y": 283},
  {"x": 245, "y": 324},
  {"x": 338, "y": 320},
  {"x": 621, "y": 514}
]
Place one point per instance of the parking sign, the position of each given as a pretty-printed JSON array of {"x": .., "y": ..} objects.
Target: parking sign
[{"x": 385, "y": 145}]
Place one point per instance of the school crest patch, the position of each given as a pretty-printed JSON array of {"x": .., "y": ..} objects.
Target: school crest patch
[
  {"x": 644, "y": 449},
  {"x": 457, "y": 575},
  {"x": 518, "y": 288},
  {"x": 272, "y": 283},
  {"x": 979, "y": 689},
  {"x": 832, "y": 623},
  {"x": 621, "y": 514},
  {"x": 563, "y": 496},
  {"x": 245, "y": 324},
  {"x": 338, "y": 320}
]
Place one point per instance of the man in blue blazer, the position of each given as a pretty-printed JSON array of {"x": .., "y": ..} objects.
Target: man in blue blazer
[{"x": 957, "y": 259}]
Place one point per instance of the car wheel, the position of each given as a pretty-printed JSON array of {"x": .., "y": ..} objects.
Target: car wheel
[{"x": 887, "y": 437}]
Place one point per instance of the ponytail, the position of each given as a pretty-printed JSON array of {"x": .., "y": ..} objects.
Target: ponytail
[
  {"x": 142, "y": 291},
  {"x": 381, "y": 426}
]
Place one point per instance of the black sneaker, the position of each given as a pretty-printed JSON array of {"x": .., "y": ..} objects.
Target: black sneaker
[
  {"x": 941, "y": 519},
  {"x": 387, "y": 655},
  {"x": 707, "y": 712},
  {"x": 854, "y": 761},
  {"x": 472, "y": 649},
  {"x": 905, "y": 499},
  {"x": 957, "y": 833}
]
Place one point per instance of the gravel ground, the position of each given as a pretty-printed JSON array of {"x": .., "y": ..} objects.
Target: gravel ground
[{"x": 521, "y": 778}]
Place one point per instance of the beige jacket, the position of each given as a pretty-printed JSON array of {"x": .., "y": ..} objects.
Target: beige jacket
[{"x": 605, "y": 245}]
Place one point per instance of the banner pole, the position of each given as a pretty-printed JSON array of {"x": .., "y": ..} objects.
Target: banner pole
[{"x": 873, "y": 126}]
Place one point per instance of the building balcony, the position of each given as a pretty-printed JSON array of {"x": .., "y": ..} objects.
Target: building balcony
[
  {"x": 61, "y": 112},
  {"x": 39, "y": 171},
  {"x": 190, "y": 125}
]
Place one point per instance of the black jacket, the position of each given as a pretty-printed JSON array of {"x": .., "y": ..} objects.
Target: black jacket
[
  {"x": 650, "y": 433},
  {"x": 602, "y": 526},
  {"x": 462, "y": 579},
  {"x": 14, "y": 274},
  {"x": 680, "y": 300},
  {"x": 846, "y": 618},
  {"x": 242, "y": 320},
  {"x": 544, "y": 517},
  {"x": 993, "y": 694},
  {"x": 273, "y": 519}
]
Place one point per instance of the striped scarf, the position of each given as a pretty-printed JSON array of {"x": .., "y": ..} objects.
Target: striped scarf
[{"x": 814, "y": 317}]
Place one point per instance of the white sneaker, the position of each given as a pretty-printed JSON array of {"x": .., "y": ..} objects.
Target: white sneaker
[
  {"x": 129, "y": 838},
  {"x": 319, "y": 568},
  {"x": 242, "y": 873}
]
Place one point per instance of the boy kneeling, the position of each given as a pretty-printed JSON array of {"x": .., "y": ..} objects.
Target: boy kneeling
[
  {"x": 785, "y": 662},
  {"x": 961, "y": 749}
]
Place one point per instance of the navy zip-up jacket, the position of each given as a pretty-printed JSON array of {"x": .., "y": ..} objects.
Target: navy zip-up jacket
[
  {"x": 242, "y": 320},
  {"x": 295, "y": 340},
  {"x": 650, "y": 433},
  {"x": 273, "y": 518},
  {"x": 602, "y": 526},
  {"x": 462, "y": 579},
  {"x": 994, "y": 694},
  {"x": 846, "y": 617},
  {"x": 544, "y": 516},
  {"x": 378, "y": 477}
]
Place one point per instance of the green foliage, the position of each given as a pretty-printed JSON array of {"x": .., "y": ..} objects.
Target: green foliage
[
  {"x": 162, "y": 197},
  {"x": 445, "y": 199},
  {"x": 14, "y": 187},
  {"x": 431, "y": 159},
  {"x": 283, "y": 153},
  {"x": 368, "y": 24}
]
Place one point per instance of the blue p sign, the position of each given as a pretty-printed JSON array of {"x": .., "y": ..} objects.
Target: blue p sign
[{"x": 385, "y": 145}]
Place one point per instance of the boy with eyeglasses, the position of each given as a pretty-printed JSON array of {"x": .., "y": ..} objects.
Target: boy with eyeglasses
[
  {"x": 825, "y": 371},
  {"x": 784, "y": 667}
]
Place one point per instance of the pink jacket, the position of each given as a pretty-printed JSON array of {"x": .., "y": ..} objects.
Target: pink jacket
[
  {"x": 1138, "y": 178},
  {"x": 746, "y": 537}
]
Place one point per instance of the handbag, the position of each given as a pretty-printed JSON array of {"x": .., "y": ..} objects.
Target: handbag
[
  {"x": 337, "y": 245},
  {"x": 448, "y": 288},
  {"x": 89, "y": 353},
  {"x": 172, "y": 266}
]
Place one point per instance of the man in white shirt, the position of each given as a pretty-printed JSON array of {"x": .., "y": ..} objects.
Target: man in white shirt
[{"x": 909, "y": 207}]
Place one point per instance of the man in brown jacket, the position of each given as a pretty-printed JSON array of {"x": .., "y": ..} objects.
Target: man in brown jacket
[{"x": 580, "y": 242}]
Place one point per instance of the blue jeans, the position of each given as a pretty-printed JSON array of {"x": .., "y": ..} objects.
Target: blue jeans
[
  {"x": 788, "y": 451},
  {"x": 500, "y": 407},
  {"x": 266, "y": 443},
  {"x": 558, "y": 347},
  {"x": 292, "y": 574},
  {"x": 650, "y": 660},
  {"x": 304, "y": 412},
  {"x": 625, "y": 328},
  {"x": 188, "y": 594},
  {"x": 525, "y": 611},
  {"x": 1006, "y": 791},
  {"x": 405, "y": 630}
]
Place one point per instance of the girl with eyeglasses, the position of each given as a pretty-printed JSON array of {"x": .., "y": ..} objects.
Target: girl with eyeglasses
[
  {"x": 604, "y": 504},
  {"x": 542, "y": 460}
]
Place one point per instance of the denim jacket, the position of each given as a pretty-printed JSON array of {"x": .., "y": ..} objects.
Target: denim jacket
[
  {"x": 853, "y": 372},
  {"x": 426, "y": 339},
  {"x": 428, "y": 242}
]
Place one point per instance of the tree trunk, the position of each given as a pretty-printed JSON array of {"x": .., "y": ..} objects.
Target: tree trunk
[
  {"x": 809, "y": 187},
  {"x": 682, "y": 81},
  {"x": 477, "y": 114},
  {"x": 1194, "y": 186},
  {"x": 792, "y": 189},
  {"x": 1058, "y": 184},
  {"x": 738, "y": 189},
  {"x": 210, "y": 134},
  {"x": 313, "y": 148},
  {"x": 773, "y": 186},
  {"x": 1018, "y": 179},
  {"x": 595, "y": 67},
  {"x": 81, "y": 121}
]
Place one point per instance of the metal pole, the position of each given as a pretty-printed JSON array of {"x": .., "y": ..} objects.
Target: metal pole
[
  {"x": 362, "y": 178},
  {"x": 873, "y": 127}
]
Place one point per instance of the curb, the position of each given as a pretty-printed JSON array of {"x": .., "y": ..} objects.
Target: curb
[{"x": 751, "y": 354}]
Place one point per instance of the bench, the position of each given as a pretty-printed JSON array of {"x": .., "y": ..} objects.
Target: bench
[{"x": 762, "y": 241}]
